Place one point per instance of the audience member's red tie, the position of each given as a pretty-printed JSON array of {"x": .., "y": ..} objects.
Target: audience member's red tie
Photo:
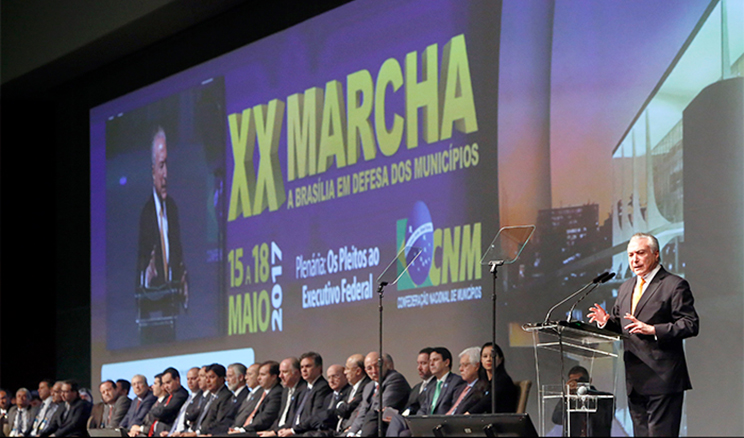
[
  {"x": 152, "y": 428},
  {"x": 250, "y": 417},
  {"x": 459, "y": 399}
]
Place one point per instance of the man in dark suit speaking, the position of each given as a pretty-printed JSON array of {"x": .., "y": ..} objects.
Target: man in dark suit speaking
[
  {"x": 160, "y": 257},
  {"x": 656, "y": 311}
]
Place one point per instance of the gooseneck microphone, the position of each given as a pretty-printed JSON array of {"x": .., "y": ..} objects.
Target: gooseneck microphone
[
  {"x": 607, "y": 276},
  {"x": 601, "y": 278}
]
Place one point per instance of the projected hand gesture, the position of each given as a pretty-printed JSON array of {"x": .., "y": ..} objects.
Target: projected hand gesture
[
  {"x": 151, "y": 271},
  {"x": 185, "y": 288}
]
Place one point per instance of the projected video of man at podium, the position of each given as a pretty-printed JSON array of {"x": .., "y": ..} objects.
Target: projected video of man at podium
[{"x": 162, "y": 285}]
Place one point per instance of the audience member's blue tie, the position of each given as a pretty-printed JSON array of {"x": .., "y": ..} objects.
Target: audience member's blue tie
[
  {"x": 302, "y": 405},
  {"x": 334, "y": 399},
  {"x": 204, "y": 411}
]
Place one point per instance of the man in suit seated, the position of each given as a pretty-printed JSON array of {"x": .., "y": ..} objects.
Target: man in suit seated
[
  {"x": 141, "y": 404},
  {"x": 236, "y": 383},
  {"x": 245, "y": 408},
  {"x": 294, "y": 387},
  {"x": 357, "y": 377},
  {"x": 123, "y": 387},
  {"x": 314, "y": 397},
  {"x": 111, "y": 410},
  {"x": 220, "y": 412},
  {"x": 21, "y": 415},
  {"x": 326, "y": 421},
  {"x": 195, "y": 411},
  {"x": 395, "y": 390},
  {"x": 164, "y": 413},
  {"x": 251, "y": 376},
  {"x": 597, "y": 423},
  {"x": 268, "y": 405},
  {"x": 159, "y": 393},
  {"x": 192, "y": 381},
  {"x": 74, "y": 416},
  {"x": 4, "y": 407},
  {"x": 439, "y": 398},
  {"x": 56, "y": 408},
  {"x": 418, "y": 392},
  {"x": 46, "y": 408},
  {"x": 476, "y": 386}
]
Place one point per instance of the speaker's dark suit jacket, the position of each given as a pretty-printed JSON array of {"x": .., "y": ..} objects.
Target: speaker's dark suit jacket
[
  {"x": 149, "y": 240},
  {"x": 656, "y": 365},
  {"x": 220, "y": 415}
]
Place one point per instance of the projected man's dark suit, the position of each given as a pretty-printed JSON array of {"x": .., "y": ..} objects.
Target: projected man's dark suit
[
  {"x": 150, "y": 244},
  {"x": 160, "y": 269}
]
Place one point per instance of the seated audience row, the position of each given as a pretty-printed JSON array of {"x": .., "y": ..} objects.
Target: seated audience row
[{"x": 286, "y": 398}]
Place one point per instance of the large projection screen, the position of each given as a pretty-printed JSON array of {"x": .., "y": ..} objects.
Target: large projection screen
[{"x": 291, "y": 171}]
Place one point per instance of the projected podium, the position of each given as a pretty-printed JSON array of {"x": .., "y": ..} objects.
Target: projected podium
[
  {"x": 594, "y": 348},
  {"x": 157, "y": 312}
]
